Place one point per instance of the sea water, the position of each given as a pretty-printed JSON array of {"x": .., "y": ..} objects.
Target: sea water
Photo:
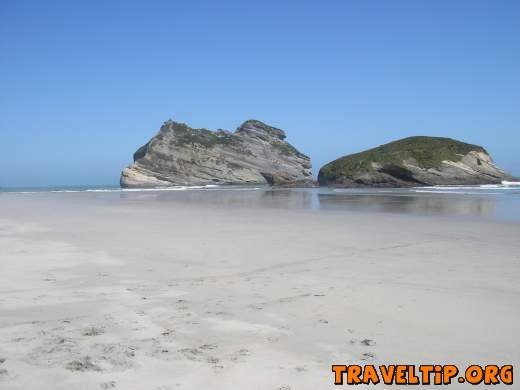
[{"x": 500, "y": 201}]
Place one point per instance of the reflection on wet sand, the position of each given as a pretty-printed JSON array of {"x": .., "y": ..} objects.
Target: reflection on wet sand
[
  {"x": 412, "y": 203},
  {"x": 254, "y": 198},
  {"x": 398, "y": 201}
]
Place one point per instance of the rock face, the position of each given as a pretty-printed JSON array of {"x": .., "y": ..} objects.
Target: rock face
[
  {"x": 414, "y": 161},
  {"x": 254, "y": 154}
]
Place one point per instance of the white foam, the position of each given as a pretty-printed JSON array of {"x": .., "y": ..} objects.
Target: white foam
[
  {"x": 466, "y": 187},
  {"x": 460, "y": 187},
  {"x": 457, "y": 192},
  {"x": 153, "y": 189},
  {"x": 511, "y": 183}
]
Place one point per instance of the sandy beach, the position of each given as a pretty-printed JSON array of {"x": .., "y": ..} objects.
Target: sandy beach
[{"x": 102, "y": 291}]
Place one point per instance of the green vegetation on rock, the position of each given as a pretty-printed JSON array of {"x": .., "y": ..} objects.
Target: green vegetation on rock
[
  {"x": 207, "y": 138},
  {"x": 287, "y": 149},
  {"x": 428, "y": 152},
  {"x": 140, "y": 153},
  {"x": 258, "y": 125}
]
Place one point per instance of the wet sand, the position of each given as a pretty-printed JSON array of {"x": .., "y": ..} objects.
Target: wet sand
[{"x": 144, "y": 291}]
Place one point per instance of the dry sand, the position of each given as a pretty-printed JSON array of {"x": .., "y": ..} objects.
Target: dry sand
[{"x": 102, "y": 291}]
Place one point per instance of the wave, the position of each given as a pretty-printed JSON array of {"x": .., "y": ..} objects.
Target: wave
[
  {"x": 124, "y": 190},
  {"x": 475, "y": 188},
  {"x": 176, "y": 188},
  {"x": 456, "y": 192}
]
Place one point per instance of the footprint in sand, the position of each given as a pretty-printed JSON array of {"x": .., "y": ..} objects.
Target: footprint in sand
[
  {"x": 83, "y": 364},
  {"x": 368, "y": 356},
  {"x": 222, "y": 313},
  {"x": 364, "y": 342},
  {"x": 208, "y": 346},
  {"x": 93, "y": 331},
  {"x": 191, "y": 353},
  {"x": 3, "y": 371},
  {"x": 239, "y": 354},
  {"x": 367, "y": 342},
  {"x": 212, "y": 360}
]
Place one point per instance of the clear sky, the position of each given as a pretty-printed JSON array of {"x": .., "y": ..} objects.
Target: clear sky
[{"x": 84, "y": 83}]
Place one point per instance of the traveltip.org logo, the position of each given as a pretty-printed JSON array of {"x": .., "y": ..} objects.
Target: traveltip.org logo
[{"x": 433, "y": 374}]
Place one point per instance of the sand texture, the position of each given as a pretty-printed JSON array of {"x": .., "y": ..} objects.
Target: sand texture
[{"x": 111, "y": 292}]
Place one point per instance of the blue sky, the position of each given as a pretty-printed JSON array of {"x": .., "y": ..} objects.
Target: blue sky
[{"x": 84, "y": 83}]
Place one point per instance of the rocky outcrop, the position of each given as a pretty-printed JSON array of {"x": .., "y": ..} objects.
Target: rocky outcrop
[
  {"x": 254, "y": 154},
  {"x": 414, "y": 161}
]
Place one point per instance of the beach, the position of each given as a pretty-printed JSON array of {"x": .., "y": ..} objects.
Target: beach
[{"x": 193, "y": 290}]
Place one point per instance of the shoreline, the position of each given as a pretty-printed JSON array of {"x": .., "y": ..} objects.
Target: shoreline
[{"x": 488, "y": 202}]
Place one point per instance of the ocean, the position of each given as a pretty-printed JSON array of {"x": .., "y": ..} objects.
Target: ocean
[{"x": 485, "y": 201}]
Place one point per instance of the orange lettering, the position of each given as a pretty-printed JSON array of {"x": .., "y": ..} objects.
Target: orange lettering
[
  {"x": 491, "y": 375},
  {"x": 338, "y": 374},
  {"x": 353, "y": 375},
  {"x": 506, "y": 374},
  {"x": 474, "y": 374},
  {"x": 388, "y": 374},
  {"x": 426, "y": 370},
  {"x": 450, "y": 372},
  {"x": 400, "y": 375},
  {"x": 412, "y": 378},
  {"x": 370, "y": 375}
]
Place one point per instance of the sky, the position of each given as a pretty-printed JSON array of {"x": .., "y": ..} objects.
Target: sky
[{"x": 83, "y": 84}]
